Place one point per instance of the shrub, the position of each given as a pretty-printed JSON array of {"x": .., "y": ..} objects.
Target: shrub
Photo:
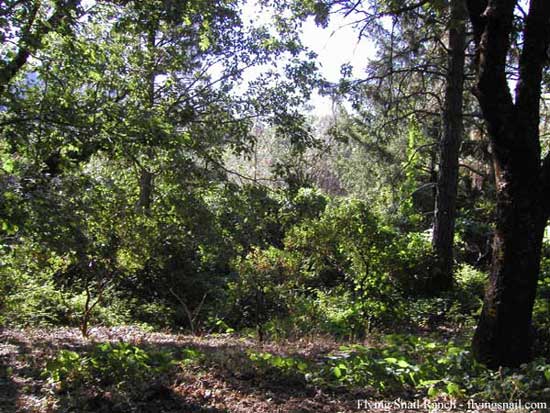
[
  {"x": 121, "y": 365},
  {"x": 262, "y": 288},
  {"x": 341, "y": 260},
  {"x": 412, "y": 366},
  {"x": 413, "y": 263},
  {"x": 32, "y": 296},
  {"x": 306, "y": 204},
  {"x": 470, "y": 288},
  {"x": 349, "y": 247}
]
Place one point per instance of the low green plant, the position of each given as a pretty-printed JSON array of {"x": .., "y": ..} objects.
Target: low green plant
[
  {"x": 412, "y": 365},
  {"x": 404, "y": 363},
  {"x": 289, "y": 369},
  {"x": 122, "y": 365},
  {"x": 67, "y": 366},
  {"x": 279, "y": 362},
  {"x": 529, "y": 381}
]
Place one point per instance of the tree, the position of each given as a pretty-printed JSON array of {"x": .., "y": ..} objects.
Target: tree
[
  {"x": 409, "y": 78},
  {"x": 141, "y": 89},
  {"x": 402, "y": 90},
  {"x": 503, "y": 335},
  {"x": 449, "y": 148},
  {"x": 23, "y": 25}
]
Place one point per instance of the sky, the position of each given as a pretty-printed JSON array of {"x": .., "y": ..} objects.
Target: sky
[{"x": 335, "y": 45}]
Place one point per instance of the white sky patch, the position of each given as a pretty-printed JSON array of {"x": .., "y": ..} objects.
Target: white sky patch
[{"x": 335, "y": 45}]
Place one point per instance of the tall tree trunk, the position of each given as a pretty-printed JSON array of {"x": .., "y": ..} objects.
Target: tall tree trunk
[
  {"x": 145, "y": 190},
  {"x": 502, "y": 337},
  {"x": 447, "y": 179},
  {"x": 146, "y": 182}
]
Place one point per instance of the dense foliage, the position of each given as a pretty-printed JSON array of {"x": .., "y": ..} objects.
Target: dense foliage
[{"x": 159, "y": 168}]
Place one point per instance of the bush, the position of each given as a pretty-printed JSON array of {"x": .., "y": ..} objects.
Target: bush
[
  {"x": 349, "y": 247},
  {"x": 306, "y": 204},
  {"x": 340, "y": 315},
  {"x": 32, "y": 297},
  {"x": 341, "y": 260},
  {"x": 263, "y": 287},
  {"x": 413, "y": 263},
  {"x": 321, "y": 313},
  {"x": 412, "y": 366},
  {"x": 470, "y": 288},
  {"x": 122, "y": 365}
]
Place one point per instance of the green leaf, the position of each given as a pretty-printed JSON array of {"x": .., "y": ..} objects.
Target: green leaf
[
  {"x": 8, "y": 165},
  {"x": 95, "y": 76},
  {"x": 302, "y": 366},
  {"x": 278, "y": 361},
  {"x": 453, "y": 389},
  {"x": 204, "y": 42},
  {"x": 432, "y": 392},
  {"x": 429, "y": 382}
]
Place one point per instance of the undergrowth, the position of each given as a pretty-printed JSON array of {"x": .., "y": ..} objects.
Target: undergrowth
[
  {"x": 398, "y": 365},
  {"x": 415, "y": 366}
]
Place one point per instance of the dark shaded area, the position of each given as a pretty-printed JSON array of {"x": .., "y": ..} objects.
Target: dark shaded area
[
  {"x": 22, "y": 362},
  {"x": 225, "y": 368},
  {"x": 12, "y": 369},
  {"x": 9, "y": 390},
  {"x": 157, "y": 399}
]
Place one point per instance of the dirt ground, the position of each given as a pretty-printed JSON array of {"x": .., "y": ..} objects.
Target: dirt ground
[
  {"x": 226, "y": 381},
  {"x": 224, "y": 385}
]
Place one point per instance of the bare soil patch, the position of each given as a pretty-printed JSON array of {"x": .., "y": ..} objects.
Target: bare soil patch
[{"x": 225, "y": 383}]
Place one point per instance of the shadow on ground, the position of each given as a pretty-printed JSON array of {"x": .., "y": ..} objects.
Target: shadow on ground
[
  {"x": 225, "y": 379},
  {"x": 158, "y": 399},
  {"x": 17, "y": 370},
  {"x": 8, "y": 388}
]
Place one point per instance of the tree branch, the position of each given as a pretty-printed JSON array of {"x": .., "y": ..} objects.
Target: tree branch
[
  {"x": 404, "y": 9},
  {"x": 492, "y": 29},
  {"x": 30, "y": 41},
  {"x": 532, "y": 60}
]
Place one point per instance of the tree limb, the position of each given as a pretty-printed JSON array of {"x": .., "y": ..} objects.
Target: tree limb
[
  {"x": 32, "y": 40},
  {"x": 532, "y": 60}
]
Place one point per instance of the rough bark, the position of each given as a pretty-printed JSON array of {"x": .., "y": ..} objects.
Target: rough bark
[
  {"x": 146, "y": 177},
  {"x": 447, "y": 179},
  {"x": 145, "y": 191},
  {"x": 502, "y": 337}
]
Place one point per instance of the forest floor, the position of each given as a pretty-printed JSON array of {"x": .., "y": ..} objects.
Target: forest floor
[
  {"x": 226, "y": 383},
  {"x": 223, "y": 379}
]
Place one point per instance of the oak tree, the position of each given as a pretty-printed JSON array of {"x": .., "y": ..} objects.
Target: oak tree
[{"x": 503, "y": 335}]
